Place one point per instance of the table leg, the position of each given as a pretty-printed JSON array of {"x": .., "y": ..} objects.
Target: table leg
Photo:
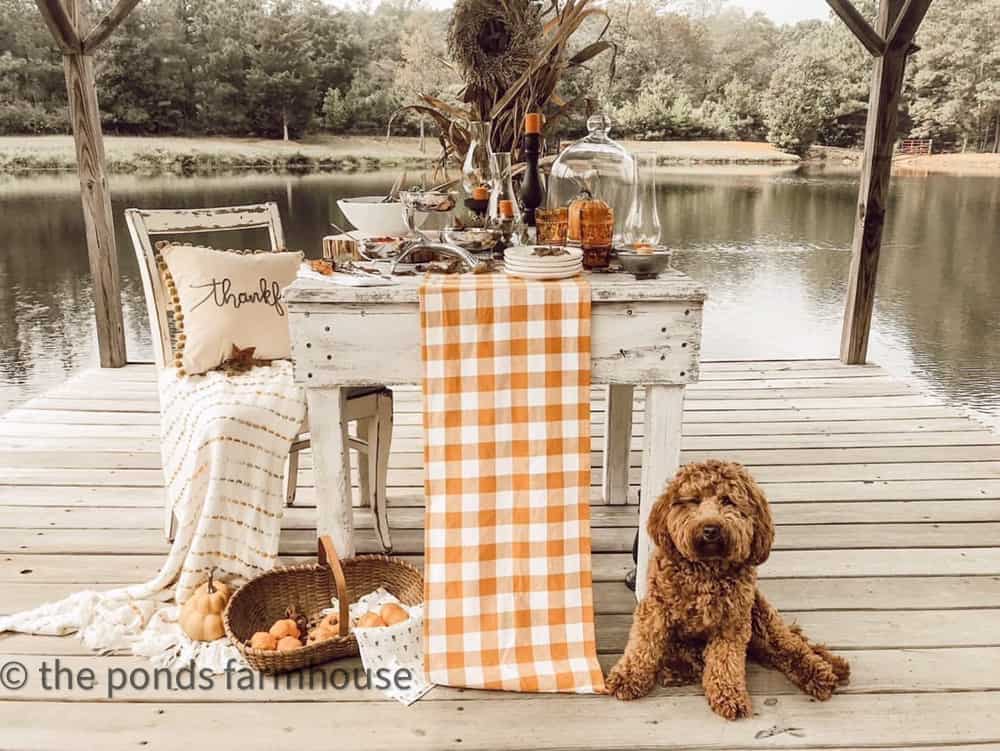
[
  {"x": 332, "y": 467},
  {"x": 617, "y": 442},
  {"x": 660, "y": 459}
]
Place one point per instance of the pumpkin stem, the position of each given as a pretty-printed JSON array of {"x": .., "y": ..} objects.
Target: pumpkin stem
[{"x": 211, "y": 581}]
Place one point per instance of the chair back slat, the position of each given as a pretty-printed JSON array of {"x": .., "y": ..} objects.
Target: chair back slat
[{"x": 145, "y": 225}]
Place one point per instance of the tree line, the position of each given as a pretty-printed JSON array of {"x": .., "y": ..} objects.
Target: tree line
[{"x": 684, "y": 69}]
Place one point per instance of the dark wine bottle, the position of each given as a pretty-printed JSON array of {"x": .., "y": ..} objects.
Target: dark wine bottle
[{"x": 532, "y": 192}]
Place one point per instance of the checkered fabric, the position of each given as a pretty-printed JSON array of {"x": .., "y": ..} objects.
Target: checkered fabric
[{"x": 509, "y": 603}]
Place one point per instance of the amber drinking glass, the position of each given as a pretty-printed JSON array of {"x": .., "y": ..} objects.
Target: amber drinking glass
[
  {"x": 597, "y": 232},
  {"x": 552, "y": 225}
]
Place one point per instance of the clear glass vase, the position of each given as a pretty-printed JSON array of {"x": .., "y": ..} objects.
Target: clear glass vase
[
  {"x": 503, "y": 184},
  {"x": 477, "y": 170},
  {"x": 643, "y": 228}
]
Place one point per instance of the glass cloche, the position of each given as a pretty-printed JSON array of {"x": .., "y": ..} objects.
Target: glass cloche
[{"x": 595, "y": 167}]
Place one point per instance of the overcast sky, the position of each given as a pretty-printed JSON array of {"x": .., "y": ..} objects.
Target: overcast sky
[
  {"x": 782, "y": 11},
  {"x": 787, "y": 11}
]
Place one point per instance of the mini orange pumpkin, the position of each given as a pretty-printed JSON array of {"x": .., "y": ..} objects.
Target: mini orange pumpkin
[
  {"x": 391, "y": 614},
  {"x": 288, "y": 644},
  {"x": 201, "y": 615},
  {"x": 370, "y": 620},
  {"x": 263, "y": 640},
  {"x": 285, "y": 627}
]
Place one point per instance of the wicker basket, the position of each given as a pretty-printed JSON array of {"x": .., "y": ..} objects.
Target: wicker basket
[{"x": 309, "y": 588}]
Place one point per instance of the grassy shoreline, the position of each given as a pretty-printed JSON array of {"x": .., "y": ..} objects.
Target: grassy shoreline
[
  {"x": 203, "y": 156},
  {"x": 170, "y": 155},
  {"x": 200, "y": 156},
  {"x": 969, "y": 164}
]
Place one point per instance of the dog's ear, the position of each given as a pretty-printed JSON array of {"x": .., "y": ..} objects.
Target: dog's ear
[
  {"x": 657, "y": 526},
  {"x": 763, "y": 527}
]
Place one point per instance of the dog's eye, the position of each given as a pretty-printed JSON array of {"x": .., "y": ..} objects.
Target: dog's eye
[{"x": 727, "y": 501}]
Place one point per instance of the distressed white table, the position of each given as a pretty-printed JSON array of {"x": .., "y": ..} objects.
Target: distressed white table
[{"x": 645, "y": 334}]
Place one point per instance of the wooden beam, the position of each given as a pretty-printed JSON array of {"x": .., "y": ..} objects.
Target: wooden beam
[
  {"x": 106, "y": 26},
  {"x": 880, "y": 137},
  {"x": 63, "y": 29},
  {"x": 98, "y": 219},
  {"x": 906, "y": 25},
  {"x": 872, "y": 40}
]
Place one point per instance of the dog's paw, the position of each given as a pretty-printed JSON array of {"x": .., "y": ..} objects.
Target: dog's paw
[
  {"x": 821, "y": 681},
  {"x": 841, "y": 668},
  {"x": 627, "y": 684},
  {"x": 731, "y": 704}
]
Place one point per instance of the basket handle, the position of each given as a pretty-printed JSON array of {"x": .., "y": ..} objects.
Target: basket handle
[{"x": 327, "y": 556}]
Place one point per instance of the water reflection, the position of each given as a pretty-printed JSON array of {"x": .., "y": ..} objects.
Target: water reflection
[{"x": 772, "y": 248}]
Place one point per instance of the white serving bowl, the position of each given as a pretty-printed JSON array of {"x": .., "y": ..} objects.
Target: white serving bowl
[{"x": 370, "y": 216}]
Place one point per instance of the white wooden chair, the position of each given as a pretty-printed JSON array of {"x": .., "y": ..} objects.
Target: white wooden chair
[{"x": 369, "y": 408}]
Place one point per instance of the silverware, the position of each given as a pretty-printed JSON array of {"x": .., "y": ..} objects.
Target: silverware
[{"x": 343, "y": 231}]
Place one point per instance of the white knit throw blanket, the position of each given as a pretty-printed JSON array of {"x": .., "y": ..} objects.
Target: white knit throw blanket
[{"x": 225, "y": 440}]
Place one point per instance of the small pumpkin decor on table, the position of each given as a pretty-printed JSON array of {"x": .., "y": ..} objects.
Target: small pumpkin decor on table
[
  {"x": 282, "y": 620},
  {"x": 592, "y": 226},
  {"x": 201, "y": 615}
]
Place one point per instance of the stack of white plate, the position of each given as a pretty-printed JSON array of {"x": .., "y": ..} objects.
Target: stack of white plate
[{"x": 534, "y": 262}]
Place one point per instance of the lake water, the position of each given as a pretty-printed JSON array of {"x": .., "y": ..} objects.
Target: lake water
[{"x": 772, "y": 249}]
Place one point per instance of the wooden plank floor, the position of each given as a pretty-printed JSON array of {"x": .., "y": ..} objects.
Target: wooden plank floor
[{"x": 888, "y": 548}]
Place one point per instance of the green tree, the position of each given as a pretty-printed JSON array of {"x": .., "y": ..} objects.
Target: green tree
[
  {"x": 222, "y": 36},
  {"x": 337, "y": 112},
  {"x": 685, "y": 69},
  {"x": 281, "y": 82},
  {"x": 32, "y": 88},
  {"x": 653, "y": 39},
  {"x": 142, "y": 77},
  {"x": 338, "y": 48},
  {"x": 660, "y": 110},
  {"x": 956, "y": 75},
  {"x": 735, "y": 112},
  {"x": 821, "y": 74}
]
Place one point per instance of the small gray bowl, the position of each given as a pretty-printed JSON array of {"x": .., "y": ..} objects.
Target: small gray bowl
[{"x": 645, "y": 265}]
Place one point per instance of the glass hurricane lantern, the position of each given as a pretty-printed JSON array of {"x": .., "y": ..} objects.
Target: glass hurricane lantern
[
  {"x": 642, "y": 227},
  {"x": 477, "y": 169}
]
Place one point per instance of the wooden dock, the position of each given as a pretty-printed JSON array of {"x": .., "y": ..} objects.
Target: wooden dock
[{"x": 888, "y": 548}]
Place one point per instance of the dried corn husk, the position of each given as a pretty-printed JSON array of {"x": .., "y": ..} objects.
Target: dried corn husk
[{"x": 504, "y": 86}]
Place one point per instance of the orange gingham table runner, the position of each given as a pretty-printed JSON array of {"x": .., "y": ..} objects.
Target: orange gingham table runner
[{"x": 509, "y": 602}]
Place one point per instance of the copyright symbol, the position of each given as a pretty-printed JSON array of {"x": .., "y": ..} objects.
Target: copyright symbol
[{"x": 13, "y": 676}]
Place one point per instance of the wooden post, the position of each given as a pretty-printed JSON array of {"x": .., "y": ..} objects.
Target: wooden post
[
  {"x": 898, "y": 21},
  {"x": 97, "y": 215},
  {"x": 65, "y": 22}
]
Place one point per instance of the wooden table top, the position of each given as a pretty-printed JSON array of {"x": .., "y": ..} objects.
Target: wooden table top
[{"x": 671, "y": 286}]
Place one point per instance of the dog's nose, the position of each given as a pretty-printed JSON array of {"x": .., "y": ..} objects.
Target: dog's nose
[{"x": 710, "y": 533}]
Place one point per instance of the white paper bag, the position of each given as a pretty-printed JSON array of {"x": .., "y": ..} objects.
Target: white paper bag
[{"x": 393, "y": 648}]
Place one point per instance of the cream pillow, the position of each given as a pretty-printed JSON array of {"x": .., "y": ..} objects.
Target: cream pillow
[{"x": 224, "y": 299}]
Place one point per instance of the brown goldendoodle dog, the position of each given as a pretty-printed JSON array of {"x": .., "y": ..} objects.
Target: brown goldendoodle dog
[{"x": 703, "y": 614}]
